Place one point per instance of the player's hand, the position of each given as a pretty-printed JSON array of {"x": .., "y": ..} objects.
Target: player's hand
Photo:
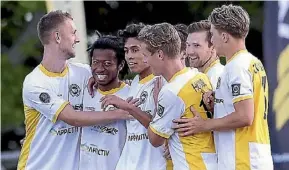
[
  {"x": 91, "y": 86},
  {"x": 115, "y": 101},
  {"x": 158, "y": 84},
  {"x": 190, "y": 126},
  {"x": 167, "y": 154},
  {"x": 209, "y": 98},
  {"x": 136, "y": 102}
]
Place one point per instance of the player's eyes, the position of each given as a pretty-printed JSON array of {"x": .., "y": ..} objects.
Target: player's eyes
[
  {"x": 135, "y": 50},
  {"x": 107, "y": 64}
]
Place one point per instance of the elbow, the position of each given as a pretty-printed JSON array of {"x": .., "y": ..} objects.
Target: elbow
[
  {"x": 155, "y": 143},
  {"x": 247, "y": 120},
  {"x": 71, "y": 119}
]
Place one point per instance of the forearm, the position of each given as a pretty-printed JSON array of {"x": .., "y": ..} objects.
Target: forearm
[
  {"x": 140, "y": 115},
  {"x": 83, "y": 118},
  {"x": 93, "y": 118},
  {"x": 229, "y": 122}
]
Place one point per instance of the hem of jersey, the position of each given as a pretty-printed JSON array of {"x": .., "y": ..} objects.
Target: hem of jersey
[
  {"x": 159, "y": 133},
  {"x": 58, "y": 111},
  {"x": 242, "y": 98}
]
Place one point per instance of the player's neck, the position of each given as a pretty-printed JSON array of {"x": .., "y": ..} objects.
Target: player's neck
[
  {"x": 112, "y": 85},
  {"x": 208, "y": 63},
  {"x": 234, "y": 48},
  {"x": 172, "y": 66},
  {"x": 53, "y": 61},
  {"x": 146, "y": 72}
]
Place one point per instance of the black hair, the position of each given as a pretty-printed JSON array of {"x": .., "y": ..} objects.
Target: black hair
[
  {"x": 114, "y": 43},
  {"x": 130, "y": 31}
]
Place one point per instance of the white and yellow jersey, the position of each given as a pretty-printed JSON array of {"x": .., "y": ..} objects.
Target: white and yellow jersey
[
  {"x": 51, "y": 143},
  {"x": 138, "y": 153},
  {"x": 101, "y": 145},
  {"x": 245, "y": 148},
  {"x": 174, "y": 101},
  {"x": 214, "y": 71}
]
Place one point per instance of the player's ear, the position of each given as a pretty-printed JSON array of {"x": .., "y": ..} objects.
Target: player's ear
[
  {"x": 160, "y": 54},
  {"x": 225, "y": 37},
  {"x": 120, "y": 67},
  {"x": 57, "y": 37}
]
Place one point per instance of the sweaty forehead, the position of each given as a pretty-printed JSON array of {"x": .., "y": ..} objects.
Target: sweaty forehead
[{"x": 104, "y": 54}]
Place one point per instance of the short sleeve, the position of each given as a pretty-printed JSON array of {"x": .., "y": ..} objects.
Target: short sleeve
[
  {"x": 169, "y": 107},
  {"x": 240, "y": 84},
  {"x": 44, "y": 100}
]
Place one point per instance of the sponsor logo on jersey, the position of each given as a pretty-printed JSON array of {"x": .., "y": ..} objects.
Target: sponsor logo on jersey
[
  {"x": 63, "y": 131},
  {"x": 105, "y": 129},
  {"x": 94, "y": 149},
  {"x": 199, "y": 85},
  {"x": 136, "y": 137}
]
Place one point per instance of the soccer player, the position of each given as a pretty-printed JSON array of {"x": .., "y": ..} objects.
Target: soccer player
[
  {"x": 52, "y": 97},
  {"x": 101, "y": 145},
  {"x": 241, "y": 99},
  {"x": 183, "y": 33},
  {"x": 201, "y": 52},
  {"x": 138, "y": 153},
  {"x": 201, "y": 55},
  {"x": 161, "y": 46}
]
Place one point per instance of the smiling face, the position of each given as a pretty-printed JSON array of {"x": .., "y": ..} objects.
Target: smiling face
[
  {"x": 67, "y": 38},
  {"x": 134, "y": 57},
  {"x": 152, "y": 59},
  {"x": 104, "y": 66},
  {"x": 198, "y": 50}
]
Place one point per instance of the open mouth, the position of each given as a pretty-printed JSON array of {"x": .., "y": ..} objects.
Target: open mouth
[
  {"x": 101, "y": 77},
  {"x": 131, "y": 64}
]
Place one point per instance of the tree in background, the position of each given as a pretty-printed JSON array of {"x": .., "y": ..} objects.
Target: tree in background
[{"x": 15, "y": 18}]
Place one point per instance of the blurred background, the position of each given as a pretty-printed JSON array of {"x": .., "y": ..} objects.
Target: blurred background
[{"x": 21, "y": 51}]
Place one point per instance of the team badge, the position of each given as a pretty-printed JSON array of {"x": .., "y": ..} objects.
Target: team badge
[
  {"x": 74, "y": 90},
  {"x": 161, "y": 110},
  {"x": 218, "y": 83},
  {"x": 236, "y": 89},
  {"x": 143, "y": 96},
  {"x": 199, "y": 85},
  {"x": 44, "y": 97}
]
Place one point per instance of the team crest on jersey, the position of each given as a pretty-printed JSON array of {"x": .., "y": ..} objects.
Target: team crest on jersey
[
  {"x": 74, "y": 90},
  {"x": 199, "y": 85},
  {"x": 161, "y": 110},
  {"x": 44, "y": 97},
  {"x": 236, "y": 89},
  {"x": 143, "y": 96},
  {"x": 218, "y": 83}
]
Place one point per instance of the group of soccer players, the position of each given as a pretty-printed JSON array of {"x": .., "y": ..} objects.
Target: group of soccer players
[{"x": 183, "y": 110}]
